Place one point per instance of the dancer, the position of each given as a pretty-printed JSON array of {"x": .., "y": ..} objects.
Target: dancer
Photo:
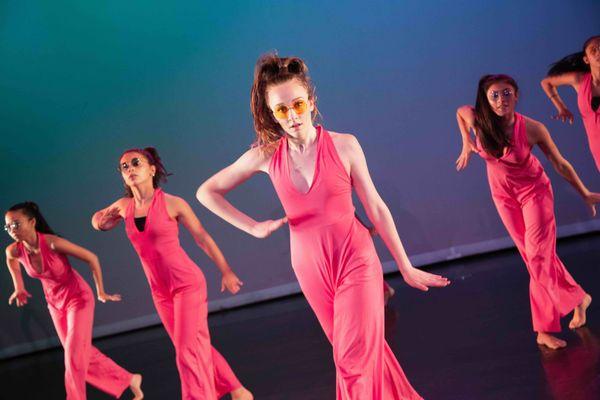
[
  {"x": 70, "y": 300},
  {"x": 582, "y": 72},
  {"x": 333, "y": 255},
  {"x": 523, "y": 197},
  {"x": 178, "y": 286}
]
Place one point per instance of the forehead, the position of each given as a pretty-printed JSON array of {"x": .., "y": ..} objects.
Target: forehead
[
  {"x": 593, "y": 42},
  {"x": 11, "y": 216},
  {"x": 286, "y": 92},
  {"x": 499, "y": 86},
  {"x": 131, "y": 155}
]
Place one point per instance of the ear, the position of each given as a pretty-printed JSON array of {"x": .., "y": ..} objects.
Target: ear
[
  {"x": 153, "y": 170},
  {"x": 311, "y": 105},
  {"x": 33, "y": 222},
  {"x": 586, "y": 60}
]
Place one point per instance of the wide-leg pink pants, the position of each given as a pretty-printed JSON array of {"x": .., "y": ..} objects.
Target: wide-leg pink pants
[
  {"x": 341, "y": 277},
  {"x": 204, "y": 373},
  {"x": 553, "y": 292},
  {"x": 84, "y": 362}
]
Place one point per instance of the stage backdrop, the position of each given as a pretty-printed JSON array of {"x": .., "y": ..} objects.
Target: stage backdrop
[{"x": 82, "y": 81}]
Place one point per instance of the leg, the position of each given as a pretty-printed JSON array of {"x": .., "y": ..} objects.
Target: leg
[
  {"x": 78, "y": 343},
  {"x": 512, "y": 216},
  {"x": 366, "y": 366},
  {"x": 554, "y": 292}
]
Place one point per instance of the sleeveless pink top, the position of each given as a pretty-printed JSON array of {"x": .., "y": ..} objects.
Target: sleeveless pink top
[
  {"x": 518, "y": 174},
  {"x": 591, "y": 118},
  {"x": 166, "y": 265},
  {"x": 329, "y": 198},
  {"x": 61, "y": 283}
]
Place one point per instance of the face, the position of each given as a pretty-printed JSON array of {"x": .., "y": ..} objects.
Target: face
[
  {"x": 18, "y": 225},
  {"x": 291, "y": 107},
  {"x": 502, "y": 98},
  {"x": 592, "y": 53},
  {"x": 135, "y": 169}
]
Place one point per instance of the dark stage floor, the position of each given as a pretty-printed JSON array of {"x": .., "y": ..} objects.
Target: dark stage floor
[{"x": 472, "y": 340}]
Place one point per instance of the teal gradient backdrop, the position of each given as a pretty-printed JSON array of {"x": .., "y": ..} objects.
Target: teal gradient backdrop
[{"x": 82, "y": 81}]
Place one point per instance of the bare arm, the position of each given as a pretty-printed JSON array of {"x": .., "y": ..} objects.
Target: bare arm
[
  {"x": 63, "y": 246},
  {"x": 465, "y": 117},
  {"x": 188, "y": 218},
  {"x": 538, "y": 134},
  {"x": 550, "y": 85},
  {"x": 109, "y": 217},
  {"x": 212, "y": 194},
  {"x": 380, "y": 216},
  {"x": 20, "y": 294}
]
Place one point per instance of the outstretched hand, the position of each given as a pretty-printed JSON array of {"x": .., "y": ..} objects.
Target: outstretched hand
[
  {"x": 20, "y": 297},
  {"x": 423, "y": 280},
  {"x": 591, "y": 200},
  {"x": 104, "y": 297},
  {"x": 231, "y": 282},
  {"x": 564, "y": 115},
  {"x": 265, "y": 228},
  {"x": 463, "y": 159}
]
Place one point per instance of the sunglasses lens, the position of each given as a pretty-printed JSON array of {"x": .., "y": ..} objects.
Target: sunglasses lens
[
  {"x": 281, "y": 112},
  {"x": 135, "y": 162},
  {"x": 300, "y": 107}
]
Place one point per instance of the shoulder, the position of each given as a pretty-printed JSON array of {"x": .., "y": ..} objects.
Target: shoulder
[
  {"x": 12, "y": 251},
  {"x": 53, "y": 240},
  {"x": 121, "y": 203},
  {"x": 257, "y": 158},
  {"x": 533, "y": 125},
  {"x": 345, "y": 141},
  {"x": 174, "y": 200}
]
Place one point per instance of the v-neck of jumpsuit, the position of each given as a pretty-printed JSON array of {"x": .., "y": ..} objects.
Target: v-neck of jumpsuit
[
  {"x": 61, "y": 283},
  {"x": 321, "y": 219},
  {"x": 518, "y": 174},
  {"x": 591, "y": 118},
  {"x": 167, "y": 266}
]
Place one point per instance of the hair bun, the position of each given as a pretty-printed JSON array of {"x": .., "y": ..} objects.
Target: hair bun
[{"x": 296, "y": 66}]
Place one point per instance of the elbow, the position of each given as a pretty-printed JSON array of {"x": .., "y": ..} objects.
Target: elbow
[
  {"x": 562, "y": 167},
  {"x": 93, "y": 260},
  {"x": 202, "y": 194},
  {"x": 545, "y": 84}
]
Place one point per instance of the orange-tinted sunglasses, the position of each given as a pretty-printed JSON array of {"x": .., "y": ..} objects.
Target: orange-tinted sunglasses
[{"x": 283, "y": 112}]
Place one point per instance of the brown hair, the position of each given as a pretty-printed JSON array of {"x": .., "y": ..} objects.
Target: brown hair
[
  {"x": 492, "y": 135},
  {"x": 151, "y": 154},
  {"x": 272, "y": 70}
]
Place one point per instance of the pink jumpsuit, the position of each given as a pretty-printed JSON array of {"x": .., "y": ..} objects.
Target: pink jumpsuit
[
  {"x": 523, "y": 197},
  {"x": 591, "y": 118},
  {"x": 179, "y": 293},
  {"x": 71, "y": 305},
  {"x": 334, "y": 259}
]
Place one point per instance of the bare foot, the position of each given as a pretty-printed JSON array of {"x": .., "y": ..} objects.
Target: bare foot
[
  {"x": 388, "y": 292},
  {"x": 241, "y": 394},
  {"x": 545, "y": 339},
  {"x": 579, "y": 313},
  {"x": 136, "y": 387}
]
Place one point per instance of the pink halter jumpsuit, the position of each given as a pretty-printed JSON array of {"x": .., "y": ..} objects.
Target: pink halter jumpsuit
[
  {"x": 179, "y": 293},
  {"x": 334, "y": 259},
  {"x": 591, "y": 118},
  {"x": 523, "y": 197},
  {"x": 71, "y": 305}
]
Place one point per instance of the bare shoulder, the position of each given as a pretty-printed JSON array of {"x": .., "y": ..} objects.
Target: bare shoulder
[
  {"x": 51, "y": 240},
  {"x": 344, "y": 141},
  {"x": 534, "y": 126},
  {"x": 121, "y": 204},
  {"x": 12, "y": 251},
  {"x": 257, "y": 158},
  {"x": 175, "y": 201}
]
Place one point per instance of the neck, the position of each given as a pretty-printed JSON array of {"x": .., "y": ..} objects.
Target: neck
[
  {"x": 142, "y": 193},
  {"x": 508, "y": 120},
  {"x": 31, "y": 241},
  {"x": 303, "y": 140},
  {"x": 596, "y": 76}
]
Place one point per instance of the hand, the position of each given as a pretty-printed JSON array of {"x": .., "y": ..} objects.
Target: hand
[
  {"x": 591, "y": 199},
  {"x": 564, "y": 115},
  {"x": 110, "y": 217},
  {"x": 468, "y": 149},
  {"x": 20, "y": 296},
  {"x": 104, "y": 297},
  {"x": 231, "y": 282},
  {"x": 423, "y": 280},
  {"x": 265, "y": 228}
]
